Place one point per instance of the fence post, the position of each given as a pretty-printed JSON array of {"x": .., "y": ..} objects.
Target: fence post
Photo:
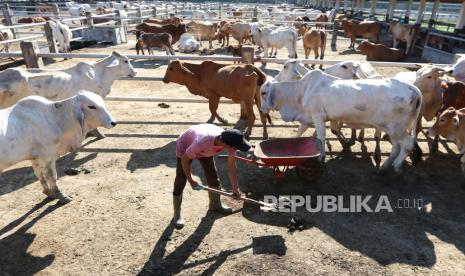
[
  {"x": 139, "y": 14},
  {"x": 52, "y": 46},
  {"x": 247, "y": 54},
  {"x": 255, "y": 15},
  {"x": 56, "y": 10},
  {"x": 7, "y": 15},
  {"x": 89, "y": 20},
  {"x": 30, "y": 49},
  {"x": 154, "y": 11},
  {"x": 219, "y": 11},
  {"x": 334, "y": 34}
]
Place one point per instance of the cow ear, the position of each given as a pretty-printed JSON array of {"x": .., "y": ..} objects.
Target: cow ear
[{"x": 114, "y": 63}]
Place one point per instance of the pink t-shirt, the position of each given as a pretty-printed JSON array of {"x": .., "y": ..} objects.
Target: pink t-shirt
[{"x": 198, "y": 141}]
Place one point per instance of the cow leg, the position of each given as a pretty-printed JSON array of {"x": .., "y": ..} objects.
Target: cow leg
[
  {"x": 377, "y": 155},
  {"x": 263, "y": 116},
  {"x": 361, "y": 136},
  {"x": 51, "y": 176},
  {"x": 300, "y": 131},
  {"x": 320, "y": 134},
  {"x": 307, "y": 52},
  {"x": 250, "y": 118},
  {"x": 394, "y": 152},
  {"x": 172, "y": 50},
  {"x": 38, "y": 171},
  {"x": 210, "y": 42},
  {"x": 395, "y": 42},
  {"x": 406, "y": 146},
  {"x": 213, "y": 106},
  {"x": 352, "y": 139},
  {"x": 95, "y": 133},
  {"x": 433, "y": 144}
]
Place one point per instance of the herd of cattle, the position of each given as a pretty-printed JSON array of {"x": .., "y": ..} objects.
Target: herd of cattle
[{"x": 46, "y": 113}]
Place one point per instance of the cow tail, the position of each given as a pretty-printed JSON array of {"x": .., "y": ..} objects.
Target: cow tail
[{"x": 418, "y": 106}]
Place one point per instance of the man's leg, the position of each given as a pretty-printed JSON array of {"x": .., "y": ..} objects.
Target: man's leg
[
  {"x": 209, "y": 168},
  {"x": 179, "y": 184}
]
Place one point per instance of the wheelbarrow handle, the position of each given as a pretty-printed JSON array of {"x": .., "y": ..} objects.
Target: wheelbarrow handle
[{"x": 243, "y": 198}]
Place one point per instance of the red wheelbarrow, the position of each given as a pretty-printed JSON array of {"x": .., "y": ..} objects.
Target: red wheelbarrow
[{"x": 282, "y": 154}]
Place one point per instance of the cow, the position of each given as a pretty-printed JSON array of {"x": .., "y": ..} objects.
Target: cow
[
  {"x": 36, "y": 19},
  {"x": 63, "y": 35},
  {"x": 278, "y": 38},
  {"x": 205, "y": 30},
  {"x": 294, "y": 70},
  {"x": 403, "y": 32},
  {"x": 5, "y": 34},
  {"x": 17, "y": 83},
  {"x": 40, "y": 130},
  {"x": 453, "y": 95},
  {"x": 428, "y": 79},
  {"x": 379, "y": 52},
  {"x": 458, "y": 69},
  {"x": 236, "y": 51},
  {"x": 311, "y": 100},
  {"x": 213, "y": 81},
  {"x": 173, "y": 30},
  {"x": 321, "y": 18},
  {"x": 149, "y": 40},
  {"x": 238, "y": 30},
  {"x": 188, "y": 43},
  {"x": 365, "y": 29},
  {"x": 314, "y": 40},
  {"x": 451, "y": 125},
  {"x": 174, "y": 21}
]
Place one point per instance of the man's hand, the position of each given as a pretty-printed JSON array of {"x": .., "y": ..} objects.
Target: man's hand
[
  {"x": 196, "y": 186},
  {"x": 237, "y": 193}
]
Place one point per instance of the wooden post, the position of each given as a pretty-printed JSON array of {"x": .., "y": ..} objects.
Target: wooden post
[
  {"x": 393, "y": 7},
  {"x": 56, "y": 10},
  {"x": 139, "y": 14},
  {"x": 461, "y": 19},
  {"x": 7, "y": 16},
  {"x": 175, "y": 9},
  {"x": 30, "y": 49},
  {"x": 388, "y": 11},
  {"x": 219, "y": 11},
  {"x": 334, "y": 34},
  {"x": 373, "y": 9},
  {"x": 255, "y": 15},
  {"x": 52, "y": 46},
  {"x": 352, "y": 8},
  {"x": 421, "y": 10},
  {"x": 247, "y": 54},
  {"x": 346, "y": 4},
  {"x": 362, "y": 6},
  {"x": 337, "y": 5},
  {"x": 433, "y": 14},
  {"x": 154, "y": 11},
  {"x": 90, "y": 20},
  {"x": 407, "y": 13}
]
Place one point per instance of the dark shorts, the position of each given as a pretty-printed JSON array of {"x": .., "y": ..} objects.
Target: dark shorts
[{"x": 209, "y": 169}]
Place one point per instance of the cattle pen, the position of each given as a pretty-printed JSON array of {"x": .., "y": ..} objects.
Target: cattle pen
[{"x": 119, "y": 222}]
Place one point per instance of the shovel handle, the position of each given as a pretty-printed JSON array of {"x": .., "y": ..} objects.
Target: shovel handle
[{"x": 246, "y": 199}]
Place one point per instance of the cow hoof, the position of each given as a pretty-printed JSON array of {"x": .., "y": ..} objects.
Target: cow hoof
[
  {"x": 210, "y": 121},
  {"x": 49, "y": 193},
  {"x": 63, "y": 199}
]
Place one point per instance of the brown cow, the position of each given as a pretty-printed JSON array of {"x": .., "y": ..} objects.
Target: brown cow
[
  {"x": 28, "y": 20},
  {"x": 149, "y": 40},
  {"x": 174, "y": 31},
  {"x": 300, "y": 21},
  {"x": 453, "y": 95},
  {"x": 379, "y": 52},
  {"x": 174, "y": 21},
  {"x": 321, "y": 18},
  {"x": 213, "y": 81},
  {"x": 364, "y": 29},
  {"x": 451, "y": 125},
  {"x": 236, "y": 51},
  {"x": 314, "y": 39}
]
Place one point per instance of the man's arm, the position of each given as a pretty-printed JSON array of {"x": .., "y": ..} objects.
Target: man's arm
[
  {"x": 186, "y": 167},
  {"x": 232, "y": 173}
]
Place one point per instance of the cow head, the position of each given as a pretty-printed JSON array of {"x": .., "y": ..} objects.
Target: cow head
[
  {"x": 120, "y": 65},
  {"x": 365, "y": 46},
  {"x": 267, "y": 97},
  {"x": 293, "y": 70},
  {"x": 428, "y": 80},
  {"x": 90, "y": 111},
  {"x": 176, "y": 72},
  {"x": 448, "y": 123}
]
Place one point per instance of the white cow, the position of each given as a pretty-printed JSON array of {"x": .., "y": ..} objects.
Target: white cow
[
  {"x": 459, "y": 69},
  {"x": 17, "y": 83},
  {"x": 294, "y": 70},
  {"x": 188, "y": 43},
  {"x": 282, "y": 37},
  {"x": 40, "y": 130},
  {"x": 63, "y": 35},
  {"x": 389, "y": 105},
  {"x": 331, "y": 15},
  {"x": 5, "y": 34}
]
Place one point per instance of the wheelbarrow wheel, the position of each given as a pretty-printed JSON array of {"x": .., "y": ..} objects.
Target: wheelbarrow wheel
[{"x": 309, "y": 170}]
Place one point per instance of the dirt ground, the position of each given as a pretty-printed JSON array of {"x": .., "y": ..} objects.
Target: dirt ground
[{"x": 119, "y": 220}]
